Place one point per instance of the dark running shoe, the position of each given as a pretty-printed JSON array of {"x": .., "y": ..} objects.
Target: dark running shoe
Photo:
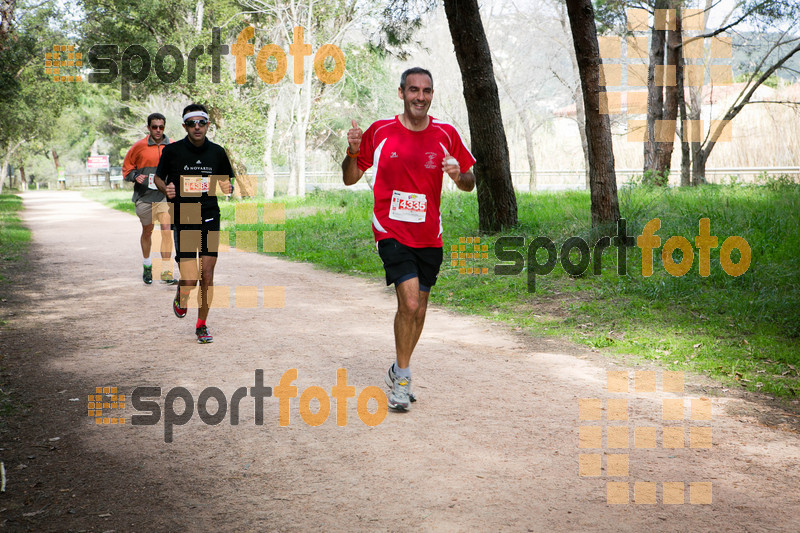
[
  {"x": 147, "y": 275},
  {"x": 203, "y": 336},
  {"x": 180, "y": 312}
]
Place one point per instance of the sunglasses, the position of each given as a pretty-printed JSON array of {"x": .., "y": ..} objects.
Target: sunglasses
[
  {"x": 193, "y": 123},
  {"x": 157, "y": 127}
]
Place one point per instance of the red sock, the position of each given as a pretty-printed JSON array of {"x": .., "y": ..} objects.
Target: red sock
[{"x": 200, "y": 323}]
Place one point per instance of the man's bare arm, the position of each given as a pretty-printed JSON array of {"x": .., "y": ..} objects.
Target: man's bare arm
[
  {"x": 350, "y": 171},
  {"x": 166, "y": 190},
  {"x": 465, "y": 181}
]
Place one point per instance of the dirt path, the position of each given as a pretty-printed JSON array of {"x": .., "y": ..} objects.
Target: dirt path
[{"x": 491, "y": 445}]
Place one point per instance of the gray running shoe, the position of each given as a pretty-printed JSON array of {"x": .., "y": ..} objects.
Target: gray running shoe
[
  {"x": 166, "y": 277},
  {"x": 398, "y": 398},
  {"x": 390, "y": 379}
]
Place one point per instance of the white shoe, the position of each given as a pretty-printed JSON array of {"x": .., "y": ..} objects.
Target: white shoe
[{"x": 390, "y": 379}]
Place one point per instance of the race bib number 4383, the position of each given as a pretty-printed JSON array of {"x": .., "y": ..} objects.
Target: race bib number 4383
[
  {"x": 408, "y": 206},
  {"x": 195, "y": 184}
]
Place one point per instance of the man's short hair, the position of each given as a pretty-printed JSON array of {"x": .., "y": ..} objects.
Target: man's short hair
[
  {"x": 194, "y": 107},
  {"x": 414, "y": 70},
  {"x": 155, "y": 116}
]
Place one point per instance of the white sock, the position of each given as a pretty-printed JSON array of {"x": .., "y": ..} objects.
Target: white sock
[
  {"x": 147, "y": 262},
  {"x": 402, "y": 372}
]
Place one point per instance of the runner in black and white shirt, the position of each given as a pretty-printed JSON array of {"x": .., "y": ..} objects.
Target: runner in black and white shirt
[{"x": 191, "y": 172}]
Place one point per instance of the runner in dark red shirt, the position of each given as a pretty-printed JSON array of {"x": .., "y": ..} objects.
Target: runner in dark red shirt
[{"x": 410, "y": 153}]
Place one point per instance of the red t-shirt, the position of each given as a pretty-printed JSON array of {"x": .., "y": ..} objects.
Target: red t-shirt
[{"x": 408, "y": 178}]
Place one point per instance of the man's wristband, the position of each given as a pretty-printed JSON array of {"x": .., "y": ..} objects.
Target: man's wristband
[{"x": 351, "y": 154}]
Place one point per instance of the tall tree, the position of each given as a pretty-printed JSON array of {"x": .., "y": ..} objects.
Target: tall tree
[
  {"x": 575, "y": 92},
  {"x": 672, "y": 98},
  {"x": 497, "y": 204},
  {"x": 664, "y": 103},
  {"x": 602, "y": 176},
  {"x": 29, "y": 100},
  {"x": 6, "y": 16},
  {"x": 655, "y": 91},
  {"x": 769, "y": 14}
]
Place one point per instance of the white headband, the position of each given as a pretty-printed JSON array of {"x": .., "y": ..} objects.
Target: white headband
[{"x": 192, "y": 114}]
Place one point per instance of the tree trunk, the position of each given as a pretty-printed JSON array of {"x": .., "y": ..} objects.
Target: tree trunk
[
  {"x": 528, "y": 132},
  {"x": 299, "y": 170},
  {"x": 685, "y": 151},
  {"x": 198, "y": 16},
  {"x": 699, "y": 157},
  {"x": 23, "y": 181},
  {"x": 699, "y": 176},
  {"x": 497, "y": 204},
  {"x": 4, "y": 170},
  {"x": 577, "y": 97},
  {"x": 302, "y": 134},
  {"x": 602, "y": 177},
  {"x": 266, "y": 159},
  {"x": 671, "y": 99},
  {"x": 695, "y": 147},
  {"x": 580, "y": 118},
  {"x": 655, "y": 92},
  {"x": 6, "y": 161},
  {"x": 57, "y": 164},
  {"x": 301, "y": 108},
  {"x": 6, "y": 18},
  {"x": 524, "y": 121}
]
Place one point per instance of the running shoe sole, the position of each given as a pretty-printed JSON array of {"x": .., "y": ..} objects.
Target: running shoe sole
[{"x": 397, "y": 406}]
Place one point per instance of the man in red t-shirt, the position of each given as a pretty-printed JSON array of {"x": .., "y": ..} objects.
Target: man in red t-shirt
[{"x": 410, "y": 153}]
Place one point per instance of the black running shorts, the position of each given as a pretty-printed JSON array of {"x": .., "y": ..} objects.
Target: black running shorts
[
  {"x": 402, "y": 263},
  {"x": 196, "y": 238}
]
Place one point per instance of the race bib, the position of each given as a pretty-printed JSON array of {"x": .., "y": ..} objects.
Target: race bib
[
  {"x": 151, "y": 184},
  {"x": 195, "y": 184},
  {"x": 408, "y": 206}
]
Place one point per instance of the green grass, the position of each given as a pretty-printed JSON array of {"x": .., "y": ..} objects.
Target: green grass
[
  {"x": 14, "y": 237},
  {"x": 119, "y": 200},
  {"x": 14, "y": 241},
  {"x": 741, "y": 330}
]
